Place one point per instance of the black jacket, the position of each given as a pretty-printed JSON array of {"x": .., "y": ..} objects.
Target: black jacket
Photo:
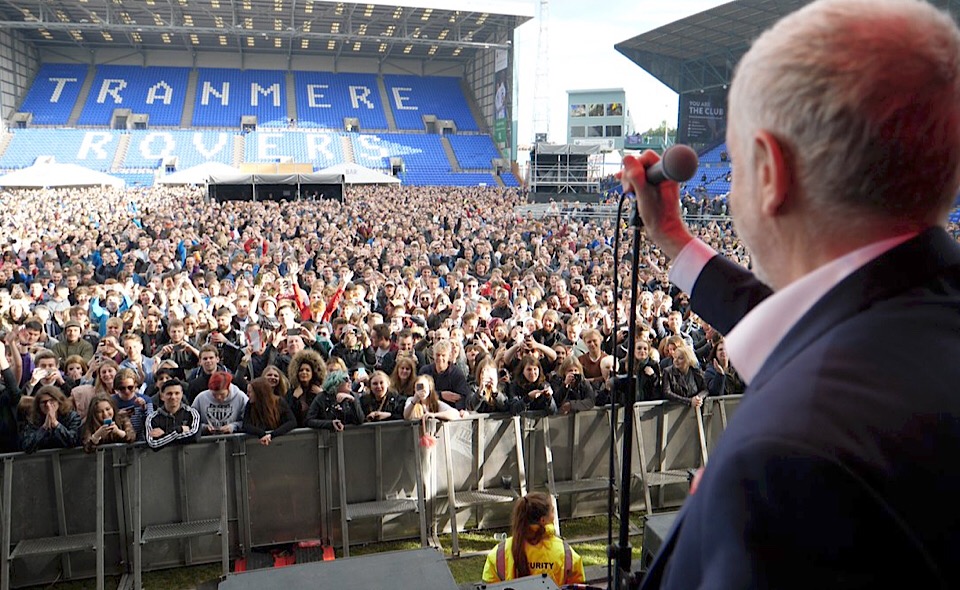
[
  {"x": 171, "y": 425},
  {"x": 325, "y": 409}
]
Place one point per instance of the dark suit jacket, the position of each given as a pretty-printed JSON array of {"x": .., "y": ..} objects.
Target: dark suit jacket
[{"x": 841, "y": 468}]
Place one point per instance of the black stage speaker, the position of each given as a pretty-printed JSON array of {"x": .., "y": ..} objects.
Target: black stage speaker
[
  {"x": 422, "y": 569},
  {"x": 655, "y": 531}
]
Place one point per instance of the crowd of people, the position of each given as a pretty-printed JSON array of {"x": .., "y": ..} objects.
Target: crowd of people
[{"x": 160, "y": 316}]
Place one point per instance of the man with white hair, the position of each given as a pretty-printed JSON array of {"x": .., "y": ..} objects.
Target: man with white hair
[{"x": 839, "y": 469}]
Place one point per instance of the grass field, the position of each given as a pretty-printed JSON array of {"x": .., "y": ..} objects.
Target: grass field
[{"x": 582, "y": 533}]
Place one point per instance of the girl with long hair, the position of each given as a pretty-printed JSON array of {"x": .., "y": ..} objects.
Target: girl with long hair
[
  {"x": 267, "y": 415},
  {"x": 53, "y": 423},
  {"x": 104, "y": 372},
  {"x": 532, "y": 388},
  {"x": 533, "y": 547},
  {"x": 105, "y": 424},
  {"x": 404, "y": 375},
  {"x": 426, "y": 403},
  {"x": 307, "y": 372}
]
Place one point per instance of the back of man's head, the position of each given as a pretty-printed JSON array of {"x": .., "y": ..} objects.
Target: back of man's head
[{"x": 864, "y": 95}]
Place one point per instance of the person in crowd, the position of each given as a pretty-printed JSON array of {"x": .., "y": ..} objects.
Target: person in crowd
[
  {"x": 533, "y": 547},
  {"x": 144, "y": 366},
  {"x": 72, "y": 343},
  {"x": 10, "y": 396},
  {"x": 683, "y": 380},
  {"x": 178, "y": 348},
  {"x": 307, "y": 373},
  {"x": 573, "y": 392},
  {"x": 450, "y": 381},
  {"x": 105, "y": 424},
  {"x": 648, "y": 371},
  {"x": 52, "y": 424},
  {"x": 221, "y": 405},
  {"x": 104, "y": 372},
  {"x": 721, "y": 376},
  {"x": 489, "y": 395},
  {"x": 532, "y": 387},
  {"x": 404, "y": 376},
  {"x": 279, "y": 383},
  {"x": 267, "y": 414},
  {"x": 45, "y": 373},
  {"x": 426, "y": 403},
  {"x": 336, "y": 406},
  {"x": 130, "y": 400},
  {"x": 173, "y": 422},
  {"x": 74, "y": 371},
  {"x": 381, "y": 403}
]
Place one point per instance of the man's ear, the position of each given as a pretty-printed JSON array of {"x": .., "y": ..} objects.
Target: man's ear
[{"x": 773, "y": 171}]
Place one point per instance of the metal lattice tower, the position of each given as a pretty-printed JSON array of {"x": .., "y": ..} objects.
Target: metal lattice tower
[{"x": 541, "y": 92}]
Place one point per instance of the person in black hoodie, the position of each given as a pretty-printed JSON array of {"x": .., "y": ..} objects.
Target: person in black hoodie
[
  {"x": 573, "y": 392},
  {"x": 174, "y": 422}
]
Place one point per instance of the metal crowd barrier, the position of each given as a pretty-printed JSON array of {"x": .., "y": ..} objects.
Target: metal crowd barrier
[{"x": 127, "y": 509}]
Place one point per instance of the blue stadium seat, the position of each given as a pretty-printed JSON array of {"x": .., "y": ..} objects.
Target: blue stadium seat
[
  {"x": 136, "y": 179},
  {"x": 54, "y": 93},
  {"x": 473, "y": 151},
  {"x": 325, "y": 99},
  {"x": 414, "y": 96},
  {"x": 157, "y": 91},
  {"x": 509, "y": 179},
  {"x": 192, "y": 148},
  {"x": 88, "y": 148},
  {"x": 224, "y": 96},
  {"x": 322, "y": 149}
]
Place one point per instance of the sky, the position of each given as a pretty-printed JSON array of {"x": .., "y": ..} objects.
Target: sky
[{"x": 581, "y": 36}]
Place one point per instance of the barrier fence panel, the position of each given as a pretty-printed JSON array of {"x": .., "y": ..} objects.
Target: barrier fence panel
[
  {"x": 717, "y": 412},
  {"x": 286, "y": 488},
  {"x": 293, "y": 490},
  {"x": 379, "y": 480},
  {"x": 55, "y": 504}
]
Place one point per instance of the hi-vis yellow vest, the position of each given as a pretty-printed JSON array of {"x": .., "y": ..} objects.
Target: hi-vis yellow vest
[{"x": 552, "y": 556}]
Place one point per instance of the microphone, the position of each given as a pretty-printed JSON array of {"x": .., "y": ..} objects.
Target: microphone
[{"x": 679, "y": 163}]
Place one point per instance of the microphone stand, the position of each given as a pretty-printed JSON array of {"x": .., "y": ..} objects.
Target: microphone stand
[{"x": 622, "y": 551}]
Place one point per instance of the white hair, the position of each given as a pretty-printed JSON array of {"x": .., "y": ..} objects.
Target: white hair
[{"x": 864, "y": 96}]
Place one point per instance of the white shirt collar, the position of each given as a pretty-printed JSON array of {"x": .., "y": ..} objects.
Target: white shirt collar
[{"x": 751, "y": 342}]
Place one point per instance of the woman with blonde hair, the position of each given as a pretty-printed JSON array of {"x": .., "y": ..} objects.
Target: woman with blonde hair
[
  {"x": 533, "y": 547},
  {"x": 426, "y": 403}
]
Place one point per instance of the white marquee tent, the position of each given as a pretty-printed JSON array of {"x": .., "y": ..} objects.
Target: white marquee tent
[
  {"x": 52, "y": 174},
  {"x": 199, "y": 174}
]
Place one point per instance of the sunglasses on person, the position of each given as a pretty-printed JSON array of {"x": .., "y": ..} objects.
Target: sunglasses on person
[{"x": 126, "y": 388}]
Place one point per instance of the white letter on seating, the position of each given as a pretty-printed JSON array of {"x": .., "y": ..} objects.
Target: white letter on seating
[
  {"x": 256, "y": 90},
  {"x": 266, "y": 144},
  {"x": 399, "y": 100},
  {"x": 318, "y": 146},
  {"x": 58, "y": 90},
  {"x": 360, "y": 93},
  {"x": 160, "y": 91},
  {"x": 223, "y": 95},
  {"x": 113, "y": 88},
  {"x": 314, "y": 97},
  {"x": 202, "y": 149},
  {"x": 94, "y": 141},
  {"x": 168, "y": 146}
]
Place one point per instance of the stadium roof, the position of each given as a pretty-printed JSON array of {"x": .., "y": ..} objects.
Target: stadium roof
[
  {"x": 422, "y": 29},
  {"x": 700, "y": 52}
]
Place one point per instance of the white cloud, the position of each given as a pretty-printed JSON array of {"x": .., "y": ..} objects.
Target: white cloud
[{"x": 582, "y": 56}]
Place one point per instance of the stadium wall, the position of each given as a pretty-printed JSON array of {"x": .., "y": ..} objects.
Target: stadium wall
[
  {"x": 480, "y": 76},
  {"x": 19, "y": 63}
]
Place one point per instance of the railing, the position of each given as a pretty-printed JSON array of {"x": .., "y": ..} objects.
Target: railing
[{"x": 127, "y": 509}]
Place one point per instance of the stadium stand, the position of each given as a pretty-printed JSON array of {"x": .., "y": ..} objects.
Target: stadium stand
[
  {"x": 473, "y": 151},
  {"x": 412, "y": 97},
  {"x": 224, "y": 96},
  {"x": 321, "y": 149},
  {"x": 156, "y": 91},
  {"x": 91, "y": 149},
  {"x": 54, "y": 93},
  {"x": 325, "y": 99},
  {"x": 147, "y": 149}
]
